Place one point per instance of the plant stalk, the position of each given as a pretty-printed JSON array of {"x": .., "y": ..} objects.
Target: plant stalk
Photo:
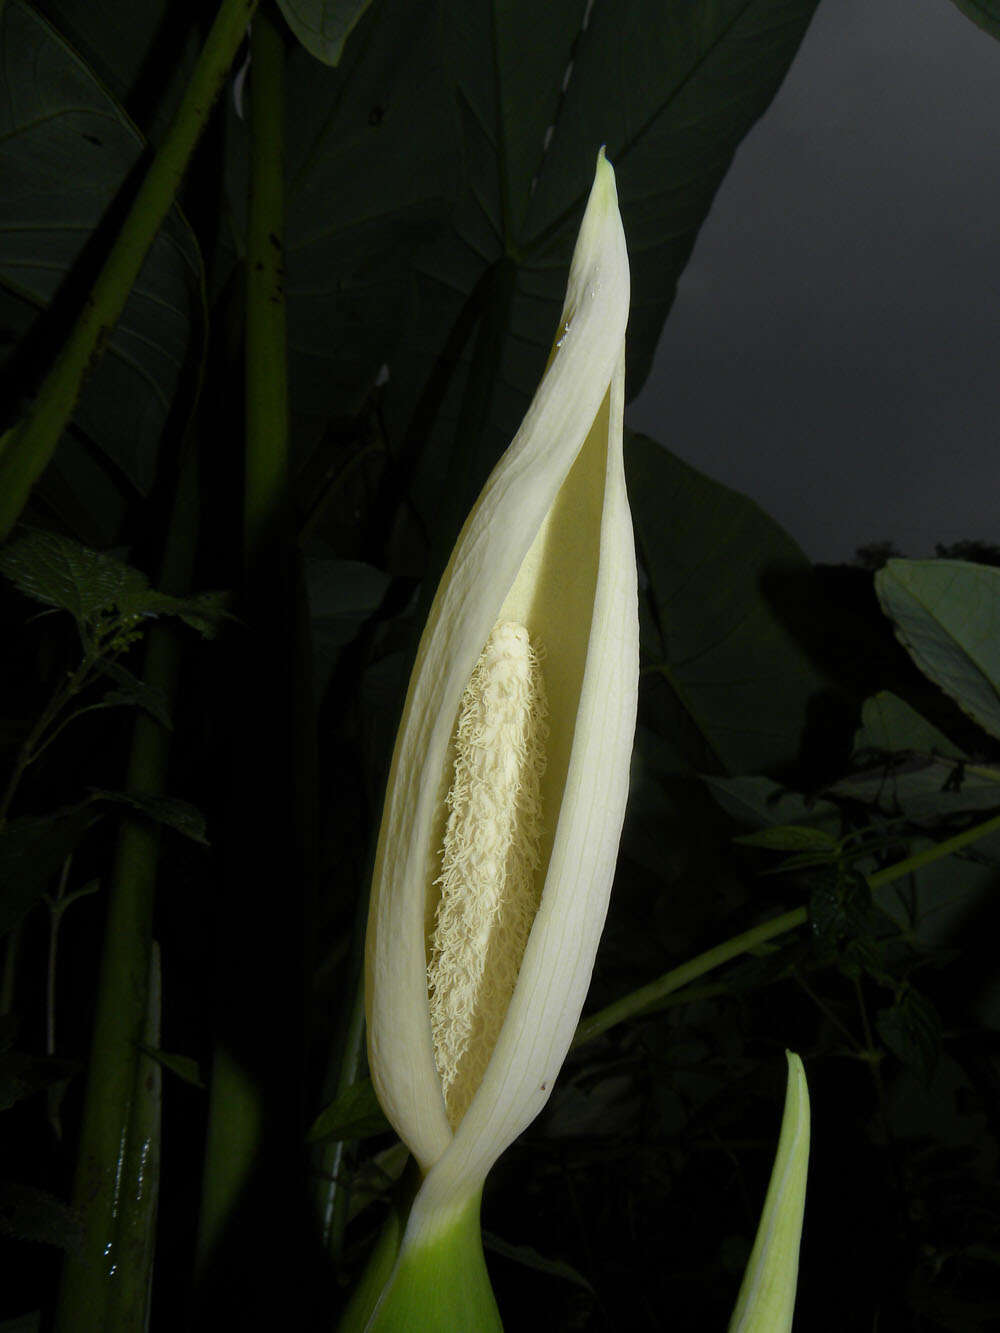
[
  {"x": 253, "y": 1203},
  {"x": 104, "y": 1289},
  {"x": 26, "y": 448}
]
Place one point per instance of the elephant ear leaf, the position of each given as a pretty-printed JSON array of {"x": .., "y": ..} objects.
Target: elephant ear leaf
[
  {"x": 66, "y": 149},
  {"x": 323, "y": 26},
  {"x": 766, "y": 1302},
  {"x": 945, "y": 614},
  {"x": 984, "y": 13}
]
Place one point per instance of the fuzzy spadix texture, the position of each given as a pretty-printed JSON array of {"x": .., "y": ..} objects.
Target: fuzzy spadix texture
[{"x": 489, "y": 893}]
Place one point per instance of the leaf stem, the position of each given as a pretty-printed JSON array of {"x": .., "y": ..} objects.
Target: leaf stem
[
  {"x": 105, "y": 1287},
  {"x": 26, "y": 448},
  {"x": 30, "y": 748},
  {"x": 638, "y": 1000},
  {"x": 647, "y": 996}
]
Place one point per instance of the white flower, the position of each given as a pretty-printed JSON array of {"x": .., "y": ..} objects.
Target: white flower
[{"x": 509, "y": 779}]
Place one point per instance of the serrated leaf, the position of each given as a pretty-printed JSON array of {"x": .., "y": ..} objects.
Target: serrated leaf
[
  {"x": 911, "y": 1028},
  {"x": 33, "y": 1214},
  {"x": 840, "y": 908},
  {"x": 945, "y": 614},
  {"x": 354, "y": 1114},
  {"x": 791, "y": 838},
  {"x": 60, "y": 572},
  {"x": 149, "y": 698},
  {"x": 323, "y": 26},
  {"x": 179, "y": 815},
  {"x": 184, "y": 1066},
  {"x": 203, "y": 611},
  {"x": 32, "y": 851}
]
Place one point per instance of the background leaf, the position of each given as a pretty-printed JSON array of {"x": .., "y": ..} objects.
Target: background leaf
[
  {"x": 945, "y": 613},
  {"x": 354, "y": 1114},
  {"x": 66, "y": 149},
  {"x": 730, "y": 685},
  {"x": 32, "y": 851},
  {"x": 670, "y": 88},
  {"x": 179, "y": 815},
  {"x": 889, "y": 723},
  {"x": 985, "y": 13},
  {"x": 323, "y": 26}
]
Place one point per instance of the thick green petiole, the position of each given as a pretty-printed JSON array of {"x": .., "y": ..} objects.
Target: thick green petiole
[
  {"x": 427, "y": 1279},
  {"x": 104, "y": 1289}
]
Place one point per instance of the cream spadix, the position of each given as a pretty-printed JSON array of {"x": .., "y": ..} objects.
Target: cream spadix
[{"x": 482, "y": 936}]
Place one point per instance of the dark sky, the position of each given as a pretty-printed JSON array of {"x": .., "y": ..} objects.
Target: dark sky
[{"x": 834, "y": 350}]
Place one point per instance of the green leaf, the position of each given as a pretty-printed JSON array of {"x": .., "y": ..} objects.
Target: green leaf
[
  {"x": 25, "y": 1323},
  {"x": 530, "y": 1258},
  {"x": 730, "y": 684},
  {"x": 96, "y": 587},
  {"x": 176, "y": 814},
  {"x": 945, "y": 614},
  {"x": 323, "y": 26},
  {"x": 353, "y": 1114},
  {"x": 670, "y": 87},
  {"x": 342, "y": 595},
  {"x": 911, "y": 1028},
  {"x": 136, "y": 693},
  {"x": 66, "y": 148},
  {"x": 923, "y": 789},
  {"x": 372, "y": 170},
  {"x": 766, "y": 803},
  {"x": 183, "y": 1066},
  {"x": 841, "y": 914},
  {"x": 985, "y": 13},
  {"x": 22, "y": 1075},
  {"x": 32, "y": 852},
  {"x": 121, "y": 41},
  {"x": 791, "y": 838},
  {"x": 202, "y": 611},
  {"x": 889, "y": 724},
  {"x": 34, "y": 1214},
  {"x": 60, "y": 572}
]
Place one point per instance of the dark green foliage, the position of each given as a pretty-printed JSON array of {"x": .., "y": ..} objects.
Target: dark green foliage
[
  {"x": 911, "y": 1028},
  {"x": 354, "y": 1114},
  {"x": 32, "y": 850},
  {"x": 790, "y": 752}
]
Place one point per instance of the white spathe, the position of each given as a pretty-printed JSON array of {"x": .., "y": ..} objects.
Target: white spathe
[{"x": 548, "y": 545}]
